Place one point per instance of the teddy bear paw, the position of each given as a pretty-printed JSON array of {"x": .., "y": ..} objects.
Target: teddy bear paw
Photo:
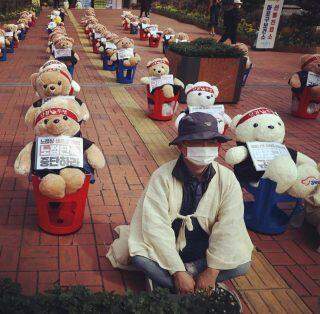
[
  {"x": 53, "y": 186},
  {"x": 74, "y": 179}
]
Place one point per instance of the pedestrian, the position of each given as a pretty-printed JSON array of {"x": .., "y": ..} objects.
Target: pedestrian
[
  {"x": 231, "y": 19},
  {"x": 145, "y": 7},
  {"x": 214, "y": 15},
  {"x": 188, "y": 230}
]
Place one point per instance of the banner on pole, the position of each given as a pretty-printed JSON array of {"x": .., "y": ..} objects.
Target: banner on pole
[{"x": 269, "y": 24}]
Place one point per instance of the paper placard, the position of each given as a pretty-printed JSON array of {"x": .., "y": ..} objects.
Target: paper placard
[
  {"x": 103, "y": 40},
  {"x": 125, "y": 53},
  {"x": 263, "y": 152},
  {"x": 52, "y": 25},
  {"x": 144, "y": 26},
  {"x": 8, "y": 34},
  {"x": 153, "y": 29},
  {"x": 110, "y": 45},
  {"x": 59, "y": 53},
  {"x": 167, "y": 37},
  {"x": 52, "y": 17},
  {"x": 44, "y": 100},
  {"x": 160, "y": 81},
  {"x": 313, "y": 79},
  {"x": 2, "y": 40},
  {"x": 97, "y": 36},
  {"x": 58, "y": 152},
  {"x": 214, "y": 110}
]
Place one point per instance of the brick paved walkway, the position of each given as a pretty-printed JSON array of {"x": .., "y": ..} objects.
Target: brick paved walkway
[{"x": 286, "y": 272}]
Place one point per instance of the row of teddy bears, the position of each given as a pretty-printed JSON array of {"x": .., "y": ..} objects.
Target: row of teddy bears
[
  {"x": 56, "y": 115},
  {"x": 60, "y": 45},
  {"x": 11, "y": 34}
]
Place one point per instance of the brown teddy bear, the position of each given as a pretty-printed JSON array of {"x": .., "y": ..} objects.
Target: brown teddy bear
[
  {"x": 56, "y": 118},
  {"x": 107, "y": 43},
  {"x": 125, "y": 52},
  {"x": 244, "y": 48},
  {"x": 11, "y": 32},
  {"x": 4, "y": 42},
  {"x": 157, "y": 68},
  {"x": 53, "y": 79},
  {"x": 65, "y": 44},
  {"x": 179, "y": 37},
  {"x": 308, "y": 76},
  {"x": 168, "y": 33}
]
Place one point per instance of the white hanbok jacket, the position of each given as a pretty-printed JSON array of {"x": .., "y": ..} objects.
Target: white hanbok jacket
[{"x": 220, "y": 214}]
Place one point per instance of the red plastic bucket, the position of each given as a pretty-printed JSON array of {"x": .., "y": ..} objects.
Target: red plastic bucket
[
  {"x": 301, "y": 103},
  {"x": 143, "y": 35},
  {"x": 154, "y": 41},
  {"x": 160, "y": 107},
  {"x": 60, "y": 216}
]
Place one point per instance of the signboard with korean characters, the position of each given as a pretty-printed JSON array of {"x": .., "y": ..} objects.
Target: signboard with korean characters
[
  {"x": 58, "y": 152},
  {"x": 160, "y": 81},
  {"x": 269, "y": 24},
  {"x": 263, "y": 152}
]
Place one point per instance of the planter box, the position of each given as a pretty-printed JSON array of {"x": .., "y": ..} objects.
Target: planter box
[{"x": 225, "y": 73}]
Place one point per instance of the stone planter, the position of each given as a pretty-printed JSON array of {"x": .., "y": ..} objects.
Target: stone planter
[{"x": 225, "y": 73}]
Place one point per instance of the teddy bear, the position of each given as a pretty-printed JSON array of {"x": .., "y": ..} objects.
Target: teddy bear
[
  {"x": 53, "y": 36},
  {"x": 179, "y": 37},
  {"x": 53, "y": 79},
  {"x": 144, "y": 22},
  {"x": 264, "y": 125},
  {"x": 11, "y": 33},
  {"x": 309, "y": 76},
  {"x": 157, "y": 68},
  {"x": 244, "y": 48},
  {"x": 168, "y": 33},
  {"x": 125, "y": 46},
  {"x": 201, "y": 96},
  {"x": 59, "y": 117},
  {"x": 107, "y": 44},
  {"x": 63, "y": 51},
  {"x": 98, "y": 32},
  {"x": 4, "y": 42}
]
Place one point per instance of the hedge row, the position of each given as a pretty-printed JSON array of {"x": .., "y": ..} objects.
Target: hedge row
[
  {"x": 79, "y": 299},
  {"x": 14, "y": 15},
  {"x": 205, "y": 48}
]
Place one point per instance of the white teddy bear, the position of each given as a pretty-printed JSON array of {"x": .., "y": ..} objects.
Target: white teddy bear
[
  {"x": 264, "y": 125},
  {"x": 201, "y": 96}
]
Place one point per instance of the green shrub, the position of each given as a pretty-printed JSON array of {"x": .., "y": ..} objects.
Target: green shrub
[
  {"x": 206, "y": 48},
  {"x": 79, "y": 299}
]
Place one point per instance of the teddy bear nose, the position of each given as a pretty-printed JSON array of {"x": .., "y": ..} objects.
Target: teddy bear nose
[
  {"x": 52, "y": 87},
  {"x": 159, "y": 71},
  {"x": 208, "y": 97},
  {"x": 56, "y": 121},
  {"x": 271, "y": 127}
]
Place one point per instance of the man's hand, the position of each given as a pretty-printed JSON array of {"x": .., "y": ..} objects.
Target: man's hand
[
  {"x": 207, "y": 279},
  {"x": 183, "y": 282}
]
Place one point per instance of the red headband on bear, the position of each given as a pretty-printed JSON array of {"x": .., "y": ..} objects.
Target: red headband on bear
[
  {"x": 201, "y": 89},
  {"x": 253, "y": 113},
  {"x": 158, "y": 62},
  {"x": 54, "y": 112}
]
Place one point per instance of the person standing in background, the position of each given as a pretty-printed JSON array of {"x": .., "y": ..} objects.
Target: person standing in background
[
  {"x": 214, "y": 15},
  {"x": 231, "y": 19},
  {"x": 145, "y": 7},
  {"x": 55, "y": 4}
]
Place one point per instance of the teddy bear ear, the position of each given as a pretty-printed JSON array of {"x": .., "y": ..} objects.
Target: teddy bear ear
[
  {"x": 215, "y": 91},
  {"x": 188, "y": 87},
  {"x": 33, "y": 79},
  {"x": 165, "y": 59},
  {"x": 180, "y": 116},
  {"x": 304, "y": 58},
  {"x": 235, "y": 121},
  {"x": 149, "y": 63}
]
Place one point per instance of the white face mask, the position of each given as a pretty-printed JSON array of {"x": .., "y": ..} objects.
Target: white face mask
[{"x": 202, "y": 156}]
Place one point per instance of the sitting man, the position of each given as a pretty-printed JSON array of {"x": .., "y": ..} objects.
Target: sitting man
[{"x": 188, "y": 232}]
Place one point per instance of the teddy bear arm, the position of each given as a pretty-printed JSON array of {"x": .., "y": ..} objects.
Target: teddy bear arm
[
  {"x": 77, "y": 56},
  {"x": 114, "y": 57},
  {"x": 168, "y": 91},
  {"x": 22, "y": 164},
  {"x": 95, "y": 157},
  {"x": 29, "y": 117},
  {"x": 145, "y": 80},
  {"x": 176, "y": 81},
  {"x": 304, "y": 159},
  {"x": 295, "y": 81},
  {"x": 235, "y": 155}
]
